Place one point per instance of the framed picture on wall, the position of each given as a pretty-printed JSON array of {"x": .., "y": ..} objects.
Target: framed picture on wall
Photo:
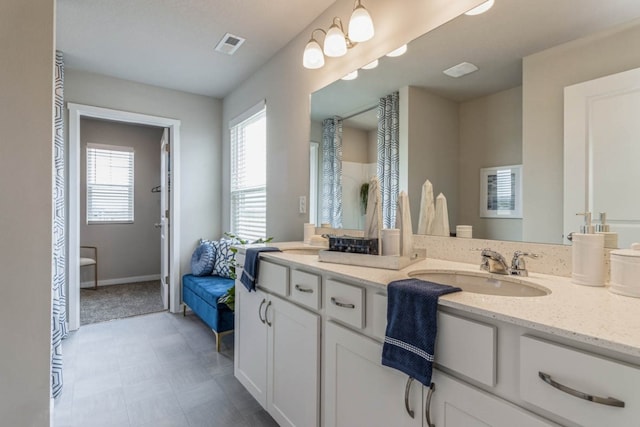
[{"x": 501, "y": 192}]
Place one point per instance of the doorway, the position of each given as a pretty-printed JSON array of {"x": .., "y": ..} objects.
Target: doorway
[
  {"x": 169, "y": 225},
  {"x": 121, "y": 235}
]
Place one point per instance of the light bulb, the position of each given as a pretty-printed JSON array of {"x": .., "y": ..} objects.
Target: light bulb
[
  {"x": 397, "y": 52},
  {"x": 313, "y": 58},
  {"x": 371, "y": 65},
  {"x": 360, "y": 25},
  {"x": 480, "y": 9},
  {"x": 334, "y": 42},
  {"x": 351, "y": 76}
]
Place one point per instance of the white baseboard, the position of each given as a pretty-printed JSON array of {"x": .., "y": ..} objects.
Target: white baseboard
[{"x": 121, "y": 280}]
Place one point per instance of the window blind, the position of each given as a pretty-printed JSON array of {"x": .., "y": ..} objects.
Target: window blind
[
  {"x": 249, "y": 177},
  {"x": 110, "y": 172}
]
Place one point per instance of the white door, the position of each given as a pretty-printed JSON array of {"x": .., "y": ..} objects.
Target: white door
[
  {"x": 165, "y": 173},
  {"x": 293, "y": 367},
  {"x": 456, "y": 404},
  {"x": 359, "y": 390},
  {"x": 250, "y": 361},
  {"x": 602, "y": 129}
]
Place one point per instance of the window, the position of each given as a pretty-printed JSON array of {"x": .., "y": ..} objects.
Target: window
[
  {"x": 249, "y": 174},
  {"x": 109, "y": 184}
]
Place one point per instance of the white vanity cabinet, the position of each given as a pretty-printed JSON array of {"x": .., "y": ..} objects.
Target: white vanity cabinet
[
  {"x": 277, "y": 354},
  {"x": 454, "y": 403},
  {"x": 358, "y": 390}
]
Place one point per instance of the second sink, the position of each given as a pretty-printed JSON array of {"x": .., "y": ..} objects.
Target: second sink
[{"x": 483, "y": 284}]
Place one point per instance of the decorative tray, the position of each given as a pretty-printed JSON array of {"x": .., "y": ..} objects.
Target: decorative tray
[{"x": 375, "y": 261}]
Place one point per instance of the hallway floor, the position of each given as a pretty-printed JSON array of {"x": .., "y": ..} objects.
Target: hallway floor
[{"x": 155, "y": 370}]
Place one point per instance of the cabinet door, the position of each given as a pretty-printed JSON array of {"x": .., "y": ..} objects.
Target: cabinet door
[
  {"x": 456, "y": 404},
  {"x": 359, "y": 391},
  {"x": 250, "y": 361},
  {"x": 293, "y": 364}
]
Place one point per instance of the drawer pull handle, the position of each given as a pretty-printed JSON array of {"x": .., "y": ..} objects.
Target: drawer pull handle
[
  {"x": 427, "y": 411},
  {"x": 407, "y": 389},
  {"x": 266, "y": 319},
  {"x": 305, "y": 290},
  {"x": 342, "y": 304},
  {"x": 609, "y": 401},
  {"x": 260, "y": 310}
]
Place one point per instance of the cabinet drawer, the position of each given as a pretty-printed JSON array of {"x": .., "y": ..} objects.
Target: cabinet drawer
[
  {"x": 581, "y": 373},
  {"x": 345, "y": 303},
  {"x": 274, "y": 278},
  {"x": 457, "y": 338},
  {"x": 305, "y": 289}
]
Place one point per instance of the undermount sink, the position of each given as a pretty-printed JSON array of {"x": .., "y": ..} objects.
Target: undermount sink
[
  {"x": 302, "y": 251},
  {"x": 483, "y": 284}
]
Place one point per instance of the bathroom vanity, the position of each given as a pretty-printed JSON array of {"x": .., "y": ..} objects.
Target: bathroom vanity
[{"x": 308, "y": 347}]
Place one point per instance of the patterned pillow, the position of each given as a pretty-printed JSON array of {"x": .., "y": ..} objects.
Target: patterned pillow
[
  {"x": 203, "y": 259},
  {"x": 223, "y": 256}
]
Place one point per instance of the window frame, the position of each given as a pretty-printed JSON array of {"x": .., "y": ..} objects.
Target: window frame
[
  {"x": 252, "y": 115},
  {"x": 131, "y": 185}
]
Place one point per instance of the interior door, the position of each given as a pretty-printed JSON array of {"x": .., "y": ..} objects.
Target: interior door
[
  {"x": 602, "y": 129},
  {"x": 165, "y": 173}
]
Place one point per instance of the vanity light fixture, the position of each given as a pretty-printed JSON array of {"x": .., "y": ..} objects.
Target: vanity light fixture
[
  {"x": 336, "y": 42},
  {"x": 397, "y": 52},
  {"x": 371, "y": 65},
  {"x": 351, "y": 76},
  {"x": 481, "y": 8}
]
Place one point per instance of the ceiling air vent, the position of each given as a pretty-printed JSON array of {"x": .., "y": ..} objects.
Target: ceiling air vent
[{"x": 229, "y": 44}]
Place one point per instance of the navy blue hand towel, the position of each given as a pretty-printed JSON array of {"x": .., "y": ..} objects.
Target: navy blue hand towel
[
  {"x": 249, "y": 276},
  {"x": 409, "y": 342}
]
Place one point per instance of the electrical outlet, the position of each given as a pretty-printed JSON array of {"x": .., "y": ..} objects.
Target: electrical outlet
[{"x": 302, "y": 204}]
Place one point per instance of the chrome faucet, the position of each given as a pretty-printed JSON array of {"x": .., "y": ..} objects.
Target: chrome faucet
[
  {"x": 494, "y": 262},
  {"x": 518, "y": 266}
]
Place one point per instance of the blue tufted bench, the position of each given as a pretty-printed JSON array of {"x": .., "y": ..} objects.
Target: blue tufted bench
[{"x": 201, "y": 294}]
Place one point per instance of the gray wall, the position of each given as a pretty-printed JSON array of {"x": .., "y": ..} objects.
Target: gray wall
[
  {"x": 199, "y": 139},
  {"x": 431, "y": 130},
  {"x": 545, "y": 75},
  {"x": 490, "y": 135},
  {"x": 286, "y": 86},
  {"x": 354, "y": 145},
  {"x": 125, "y": 250},
  {"x": 26, "y": 121}
]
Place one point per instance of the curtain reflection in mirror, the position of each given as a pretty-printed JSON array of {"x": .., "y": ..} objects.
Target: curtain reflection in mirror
[
  {"x": 388, "y": 156},
  {"x": 332, "y": 172}
]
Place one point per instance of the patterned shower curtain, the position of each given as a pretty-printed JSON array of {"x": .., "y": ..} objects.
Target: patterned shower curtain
[
  {"x": 388, "y": 156},
  {"x": 59, "y": 310},
  {"x": 332, "y": 172}
]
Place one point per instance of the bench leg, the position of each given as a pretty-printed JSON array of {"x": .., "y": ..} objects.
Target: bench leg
[
  {"x": 184, "y": 310},
  {"x": 219, "y": 335}
]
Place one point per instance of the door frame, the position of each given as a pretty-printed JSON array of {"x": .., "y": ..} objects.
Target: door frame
[{"x": 77, "y": 112}]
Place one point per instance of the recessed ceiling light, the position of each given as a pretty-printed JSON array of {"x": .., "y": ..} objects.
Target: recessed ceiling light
[
  {"x": 480, "y": 9},
  {"x": 371, "y": 65},
  {"x": 351, "y": 76},
  {"x": 399, "y": 51},
  {"x": 229, "y": 44},
  {"x": 462, "y": 69}
]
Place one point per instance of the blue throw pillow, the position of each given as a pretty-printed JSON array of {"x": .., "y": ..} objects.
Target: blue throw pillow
[
  {"x": 223, "y": 257},
  {"x": 203, "y": 259}
]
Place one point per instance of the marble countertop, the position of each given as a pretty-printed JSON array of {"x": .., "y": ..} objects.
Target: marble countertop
[{"x": 592, "y": 315}]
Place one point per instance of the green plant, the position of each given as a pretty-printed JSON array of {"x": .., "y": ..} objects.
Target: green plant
[
  {"x": 364, "y": 196},
  {"x": 229, "y": 299}
]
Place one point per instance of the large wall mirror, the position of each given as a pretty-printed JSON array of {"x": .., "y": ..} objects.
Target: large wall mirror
[{"x": 451, "y": 128}]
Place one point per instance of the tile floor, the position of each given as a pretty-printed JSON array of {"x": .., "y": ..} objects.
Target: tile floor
[{"x": 156, "y": 370}]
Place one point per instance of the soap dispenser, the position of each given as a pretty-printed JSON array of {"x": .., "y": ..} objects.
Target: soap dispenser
[
  {"x": 610, "y": 237},
  {"x": 587, "y": 255}
]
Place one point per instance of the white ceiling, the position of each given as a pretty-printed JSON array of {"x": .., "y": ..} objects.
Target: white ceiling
[
  {"x": 495, "y": 41},
  {"x": 170, "y": 43}
]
